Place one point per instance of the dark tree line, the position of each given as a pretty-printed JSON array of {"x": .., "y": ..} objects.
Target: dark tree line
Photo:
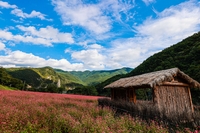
[
  {"x": 84, "y": 90},
  {"x": 7, "y": 80}
]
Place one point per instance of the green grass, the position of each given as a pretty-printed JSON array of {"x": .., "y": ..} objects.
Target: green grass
[{"x": 6, "y": 88}]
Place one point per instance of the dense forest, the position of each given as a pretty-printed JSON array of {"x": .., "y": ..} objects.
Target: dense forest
[
  {"x": 8, "y": 80},
  {"x": 185, "y": 55}
]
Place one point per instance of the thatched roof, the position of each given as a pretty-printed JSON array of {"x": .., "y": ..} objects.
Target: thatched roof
[{"x": 153, "y": 79}]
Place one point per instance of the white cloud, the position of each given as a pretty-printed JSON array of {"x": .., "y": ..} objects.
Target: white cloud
[
  {"x": 68, "y": 50},
  {"x": 171, "y": 26},
  {"x": 122, "y": 53},
  {"x": 44, "y": 36},
  {"x": 116, "y": 8},
  {"x": 91, "y": 58},
  {"x": 2, "y": 46},
  {"x": 154, "y": 34},
  {"x": 8, "y": 36},
  {"x": 125, "y": 52},
  {"x": 48, "y": 33},
  {"x": 88, "y": 16},
  {"x": 33, "y": 14},
  {"x": 147, "y": 2},
  {"x": 18, "y": 12},
  {"x": 21, "y": 59},
  {"x": 92, "y": 17},
  {"x": 17, "y": 21},
  {"x": 6, "y": 5},
  {"x": 5, "y": 35},
  {"x": 95, "y": 46}
]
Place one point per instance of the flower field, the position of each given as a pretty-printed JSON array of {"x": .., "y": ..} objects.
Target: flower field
[{"x": 30, "y": 112}]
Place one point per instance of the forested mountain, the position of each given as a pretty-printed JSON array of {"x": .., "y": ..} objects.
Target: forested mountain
[
  {"x": 46, "y": 78},
  {"x": 185, "y": 55},
  {"x": 7, "y": 80},
  {"x": 95, "y": 77}
]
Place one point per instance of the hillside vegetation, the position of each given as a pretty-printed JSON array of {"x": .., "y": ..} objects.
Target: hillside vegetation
[
  {"x": 95, "y": 77},
  {"x": 47, "y": 79},
  {"x": 7, "y": 80},
  {"x": 185, "y": 55}
]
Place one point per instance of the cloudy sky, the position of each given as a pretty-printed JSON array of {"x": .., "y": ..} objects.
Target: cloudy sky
[{"x": 91, "y": 34}]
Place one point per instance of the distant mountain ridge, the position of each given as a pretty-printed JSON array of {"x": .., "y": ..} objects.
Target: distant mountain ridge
[
  {"x": 41, "y": 77},
  {"x": 94, "y": 77}
]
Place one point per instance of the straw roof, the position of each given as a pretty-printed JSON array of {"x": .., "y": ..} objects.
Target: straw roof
[{"x": 153, "y": 79}]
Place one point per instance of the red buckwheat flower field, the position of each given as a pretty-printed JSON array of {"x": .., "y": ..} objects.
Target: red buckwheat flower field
[{"x": 31, "y": 112}]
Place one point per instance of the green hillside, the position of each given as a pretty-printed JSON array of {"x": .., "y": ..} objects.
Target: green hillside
[
  {"x": 47, "y": 73},
  {"x": 46, "y": 78},
  {"x": 7, "y": 88},
  {"x": 185, "y": 55},
  {"x": 7, "y": 80},
  {"x": 95, "y": 77},
  {"x": 26, "y": 75},
  {"x": 41, "y": 77},
  {"x": 68, "y": 79}
]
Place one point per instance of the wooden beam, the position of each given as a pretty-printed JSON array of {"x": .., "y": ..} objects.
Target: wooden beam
[{"x": 175, "y": 84}]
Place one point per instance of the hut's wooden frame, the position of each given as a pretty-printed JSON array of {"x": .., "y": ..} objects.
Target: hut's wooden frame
[{"x": 171, "y": 89}]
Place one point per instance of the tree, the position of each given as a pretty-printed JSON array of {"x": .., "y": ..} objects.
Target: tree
[{"x": 85, "y": 90}]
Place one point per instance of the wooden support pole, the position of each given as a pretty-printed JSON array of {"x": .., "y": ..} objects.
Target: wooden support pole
[
  {"x": 190, "y": 98},
  {"x": 126, "y": 95},
  {"x": 156, "y": 97},
  {"x": 134, "y": 96},
  {"x": 112, "y": 94}
]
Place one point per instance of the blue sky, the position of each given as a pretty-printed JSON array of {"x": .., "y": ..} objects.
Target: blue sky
[{"x": 91, "y": 35}]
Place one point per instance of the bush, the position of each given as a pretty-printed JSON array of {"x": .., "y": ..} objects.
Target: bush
[{"x": 85, "y": 90}]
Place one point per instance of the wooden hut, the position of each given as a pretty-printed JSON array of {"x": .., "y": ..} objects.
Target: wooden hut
[{"x": 170, "y": 89}]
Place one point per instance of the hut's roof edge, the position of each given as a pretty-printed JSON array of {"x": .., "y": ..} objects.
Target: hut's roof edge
[{"x": 153, "y": 79}]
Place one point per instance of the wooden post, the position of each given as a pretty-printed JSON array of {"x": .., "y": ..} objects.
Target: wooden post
[
  {"x": 128, "y": 94},
  {"x": 190, "y": 98},
  {"x": 134, "y": 96},
  {"x": 112, "y": 94},
  {"x": 156, "y": 97},
  {"x": 126, "y": 99}
]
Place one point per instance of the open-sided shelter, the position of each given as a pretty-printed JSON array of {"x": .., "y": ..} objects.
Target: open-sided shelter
[{"x": 170, "y": 88}]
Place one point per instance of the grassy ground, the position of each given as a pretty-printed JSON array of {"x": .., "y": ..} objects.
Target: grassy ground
[
  {"x": 31, "y": 112},
  {"x": 6, "y": 88}
]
